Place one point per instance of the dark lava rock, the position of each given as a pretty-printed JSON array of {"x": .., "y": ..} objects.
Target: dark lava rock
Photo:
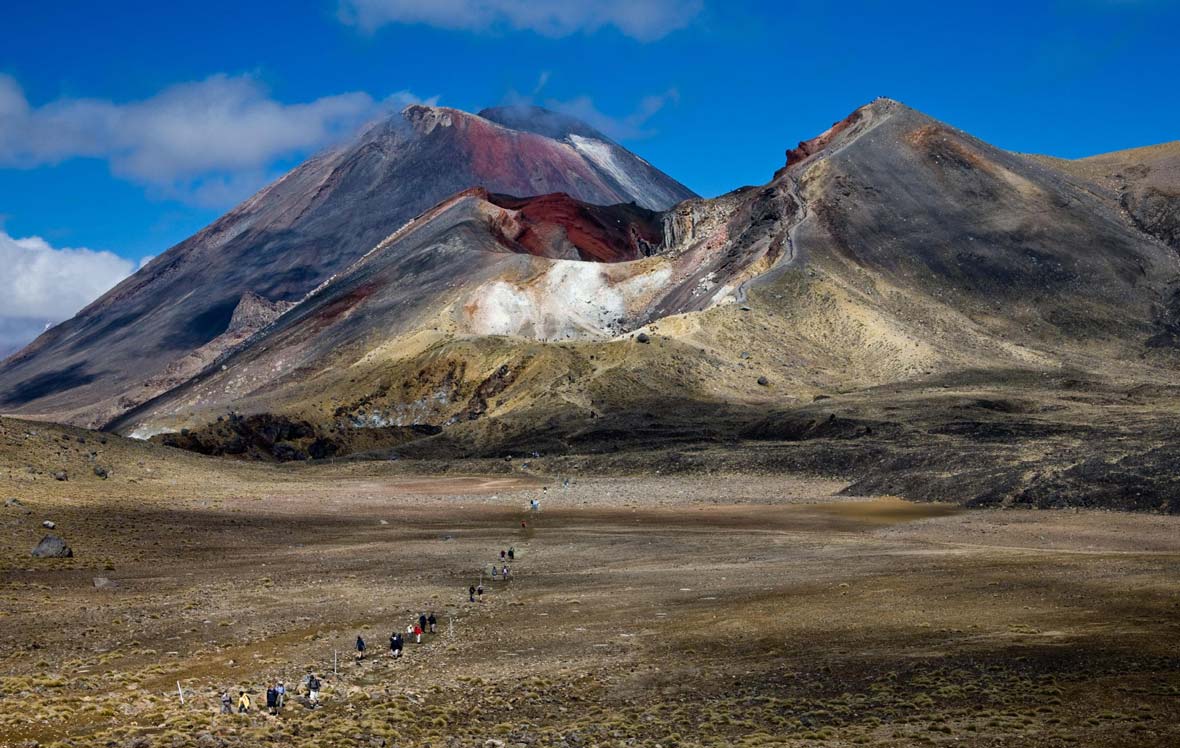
[
  {"x": 643, "y": 337},
  {"x": 101, "y": 472},
  {"x": 51, "y": 546},
  {"x": 61, "y": 475},
  {"x": 764, "y": 381},
  {"x": 287, "y": 452}
]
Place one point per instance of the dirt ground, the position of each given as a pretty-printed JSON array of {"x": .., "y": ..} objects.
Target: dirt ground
[{"x": 709, "y": 610}]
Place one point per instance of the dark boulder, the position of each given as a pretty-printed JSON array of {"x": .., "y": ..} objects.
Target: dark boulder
[{"x": 51, "y": 546}]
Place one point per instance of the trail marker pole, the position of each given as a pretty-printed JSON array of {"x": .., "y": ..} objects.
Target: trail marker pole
[
  {"x": 180, "y": 691},
  {"x": 334, "y": 670}
]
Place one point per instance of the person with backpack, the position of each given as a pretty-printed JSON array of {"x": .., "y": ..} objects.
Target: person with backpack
[
  {"x": 243, "y": 703},
  {"x": 479, "y": 592},
  {"x": 360, "y": 648},
  {"x": 512, "y": 554},
  {"x": 417, "y": 634},
  {"x": 471, "y": 594},
  {"x": 433, "y": 622},
  {"x": 503, "y": 555},
  {"x": 313, "y": 690},
  {"x": 396, "y": 644},
  {"x": 504, "y": 573},
  {"x": 227, "y": 703},
  {"x": 272, "y": 700},
  {"x": 280, "y": 695},
  {"x": 422, "y": 621}
]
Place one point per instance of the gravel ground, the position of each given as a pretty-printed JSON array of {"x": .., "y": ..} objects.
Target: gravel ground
[{"x": 663, "y": 610}]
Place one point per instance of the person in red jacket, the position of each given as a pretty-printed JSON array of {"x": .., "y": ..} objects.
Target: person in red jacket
[{"x": 417, "y": 634}]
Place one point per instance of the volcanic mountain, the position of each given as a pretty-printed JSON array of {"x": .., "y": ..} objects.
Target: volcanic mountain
[
  {"x": 166, "y": 322},
  {"x": 904, "y": 303}
]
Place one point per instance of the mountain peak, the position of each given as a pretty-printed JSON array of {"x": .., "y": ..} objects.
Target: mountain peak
[{"x": 860, "y": 118}]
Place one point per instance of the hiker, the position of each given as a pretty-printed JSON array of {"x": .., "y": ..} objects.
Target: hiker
[
  {"x": 417, "y": 634},
  {"x": 524, "y": 525},
  {"x": 479, "y": 591},
  {"x": 471, "y": 594},
  {"x": 433, "y": 623},
  {"x": 280, "y": 695},
  {"x": 272, "y": 700},
  {"x": 512, "y": 554},
  {"x": 396, "y": 644},
  {"x": 360, "y": 648},
  {"x": 313, "y": 689},
  {"x": 504, "y": 573},
  {"x": 422, "y": 621},
  {"x": 503, "y": 554},
  {"x": 243, "y": 703},
  {"x": 227, "y": 703}
]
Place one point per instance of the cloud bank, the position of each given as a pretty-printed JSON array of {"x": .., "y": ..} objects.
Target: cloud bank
[
  {"x": 644, "y": 20},
  {"x": 42, "y": 285},
  {"x": 210, "y": 142}
]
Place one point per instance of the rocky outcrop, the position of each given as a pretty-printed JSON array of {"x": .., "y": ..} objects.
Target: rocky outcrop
[{"x": 51, "y": 546}]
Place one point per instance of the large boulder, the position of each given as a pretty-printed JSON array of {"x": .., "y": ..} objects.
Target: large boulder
[{"x": 51, "y": 546}]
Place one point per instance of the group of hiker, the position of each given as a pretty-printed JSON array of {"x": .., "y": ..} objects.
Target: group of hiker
[
  {"x": 397, "y": 642},
  {"x": 276, "y": 695}
]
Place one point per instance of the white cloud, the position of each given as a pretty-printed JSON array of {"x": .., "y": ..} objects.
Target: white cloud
[
  {"x": 42, "y": 285},
  {"x": 644, "y": 20},
  {"x": 209, "y": 141},
  {"x": 631, "y": 126},
  {"x": 627, "y": 127}
]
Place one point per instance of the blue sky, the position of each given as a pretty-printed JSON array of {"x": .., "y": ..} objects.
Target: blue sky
[{"x": 127, "y": 126}]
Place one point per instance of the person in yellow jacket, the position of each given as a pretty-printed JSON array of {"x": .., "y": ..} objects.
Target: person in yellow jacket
[{"x": 243, "y": 703}]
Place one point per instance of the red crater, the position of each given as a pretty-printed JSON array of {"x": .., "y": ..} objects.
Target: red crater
[{"x": 548, "y": 225}]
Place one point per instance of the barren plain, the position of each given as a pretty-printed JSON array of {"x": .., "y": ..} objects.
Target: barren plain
[{"x": 723, "y": 608}]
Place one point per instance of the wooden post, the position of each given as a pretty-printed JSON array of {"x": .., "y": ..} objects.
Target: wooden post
[{"x": 334, "y": 670}]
